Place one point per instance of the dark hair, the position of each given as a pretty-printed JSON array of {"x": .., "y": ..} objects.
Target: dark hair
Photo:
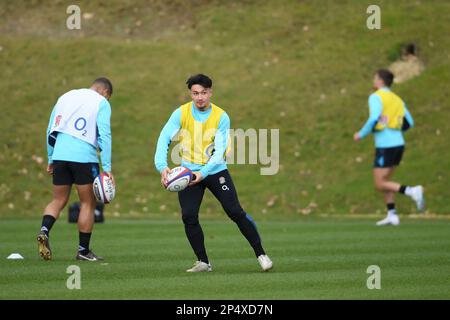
[
  {"x": 200, "y": 79},
  {"x": 386, "y": 75},
  {"x": 105, "y": 83}
]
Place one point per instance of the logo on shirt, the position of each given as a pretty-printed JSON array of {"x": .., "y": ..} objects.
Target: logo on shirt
[
  {"x": 383, "y": 120},
  {"x": 58, "y": 120},
  {"x": 222, "y": 180}
]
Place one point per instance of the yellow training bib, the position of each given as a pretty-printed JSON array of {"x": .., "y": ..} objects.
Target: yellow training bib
[
  {"x": 197, "y": 138},
  {"x": 393, "y": 111}
]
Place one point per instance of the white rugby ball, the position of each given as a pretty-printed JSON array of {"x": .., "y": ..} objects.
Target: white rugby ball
[
  {"x": 178, "y": 179},
  {"x": 104, "y": 188}
]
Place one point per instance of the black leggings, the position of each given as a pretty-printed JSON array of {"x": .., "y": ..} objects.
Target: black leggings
[{"x": 222, "y": 187}]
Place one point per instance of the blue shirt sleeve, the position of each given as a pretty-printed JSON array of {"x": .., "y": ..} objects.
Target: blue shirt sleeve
[
  {"x": 408, "y": 116},
  {"x": 49, "y": 127},
  {"x": 220, "y": 146},
  {"x": 170, "y": 129},
  {"x": 375, "y": 110},
  {"x": 104, "y": 134}
]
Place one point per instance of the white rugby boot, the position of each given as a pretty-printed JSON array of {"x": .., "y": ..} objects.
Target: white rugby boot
[
  {"x": 265, "y": 262},
  {"x": 417, "y": 194},
  {"x": 392, "y": 218},
  {"x": 200, "y": 266}
]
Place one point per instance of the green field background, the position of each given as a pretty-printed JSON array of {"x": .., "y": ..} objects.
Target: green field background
[
  {"x": 303, "y": 67},
  {"x": 313, "y": 259}
]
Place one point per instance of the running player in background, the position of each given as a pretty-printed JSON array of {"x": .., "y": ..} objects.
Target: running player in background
[
  {"x": 204, "y": 154},
  {"x": 388, "y": 117},
  {"x": 79, "y": 124}
]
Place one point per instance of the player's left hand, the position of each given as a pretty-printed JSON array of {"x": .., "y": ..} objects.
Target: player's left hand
[
  {"x": 356, "y": 136},
  {"x": 197, "y": 177}
]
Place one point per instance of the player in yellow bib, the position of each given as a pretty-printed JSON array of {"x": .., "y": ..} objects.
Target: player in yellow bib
[
  {"x": 388, "y": 118},
  {"x": 203, "y": 131}
]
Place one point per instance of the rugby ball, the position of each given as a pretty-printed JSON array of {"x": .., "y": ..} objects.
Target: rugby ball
[
  {"x": 178, "y": 179},
  {"x": 104, "y": 188}
]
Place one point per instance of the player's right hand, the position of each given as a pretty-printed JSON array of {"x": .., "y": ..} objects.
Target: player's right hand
[
  {"x": 110, "y": 175},
  {"x": 164, "y": 174},
  {"x": 50, "y": 168}
]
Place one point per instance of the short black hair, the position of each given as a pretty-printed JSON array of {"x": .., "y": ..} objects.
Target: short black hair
[
  {"x": 106, "y": 83},
  {"x": 200, "y": 79},
  {"x": 386, "y": 75}
]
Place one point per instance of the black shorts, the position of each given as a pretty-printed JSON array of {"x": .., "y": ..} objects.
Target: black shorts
[
  {"x": 68, "y": 173},
  {"x": 388, "y": 157}
]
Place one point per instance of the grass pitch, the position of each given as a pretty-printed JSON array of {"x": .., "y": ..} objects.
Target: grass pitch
[{"x": 314, "y": 259}]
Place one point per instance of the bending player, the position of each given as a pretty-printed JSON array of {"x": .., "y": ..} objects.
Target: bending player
[{"x": 79, "y": 123}]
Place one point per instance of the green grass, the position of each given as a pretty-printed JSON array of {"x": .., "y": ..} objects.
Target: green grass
[
  {"x": 303, "y": 67},
  {"x": 268, "y": 73},
  {"x": 314, "y": 259}
]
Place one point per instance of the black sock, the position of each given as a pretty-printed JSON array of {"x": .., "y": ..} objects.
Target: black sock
[
  {"x": 249, "y": 231},
  {"x": 402, "y": 189},
  {"x": 85, "y": 238},
  {"x": 196, "y": 238},
  {"x": 257, "y": 247},
  {"x": 47, "y": 223},
  {"x": 390, "y": 206}
]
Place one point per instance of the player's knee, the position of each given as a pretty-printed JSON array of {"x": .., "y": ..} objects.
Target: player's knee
[
  {"x": 88, "y": 205},
  {"x": 235, "y": 212},
  {"x": 379, "y": 185},
  {"x": 189, "y": 219},
  {"x": 60, "y": 203}
]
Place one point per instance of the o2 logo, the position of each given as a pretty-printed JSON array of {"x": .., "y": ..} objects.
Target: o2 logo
[{"x": 80, "y": 125}]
